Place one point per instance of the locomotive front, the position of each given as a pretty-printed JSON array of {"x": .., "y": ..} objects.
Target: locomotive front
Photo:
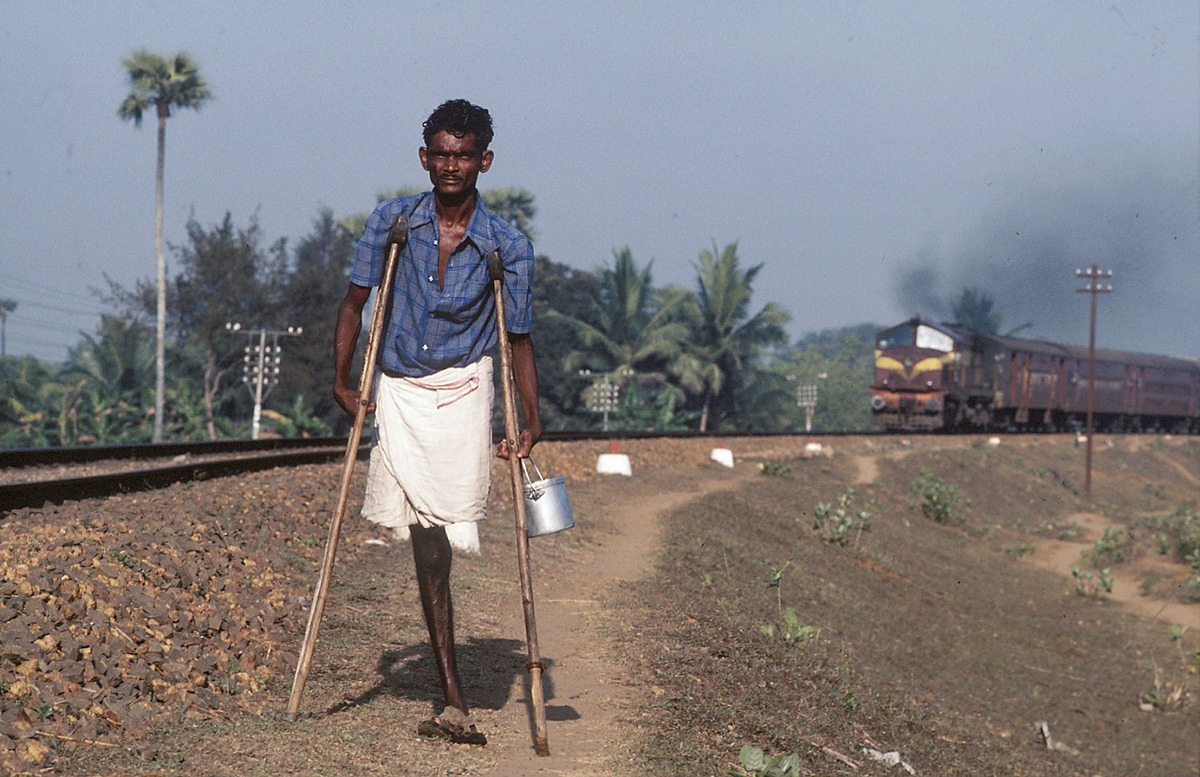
[{"x": 913, "y": 368}]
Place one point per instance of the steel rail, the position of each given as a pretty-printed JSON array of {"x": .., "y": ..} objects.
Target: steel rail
[
  {"x": 32, "y": 457},
  {"x": 37, "y": 493},
  {"x": 270, "y": 454}
]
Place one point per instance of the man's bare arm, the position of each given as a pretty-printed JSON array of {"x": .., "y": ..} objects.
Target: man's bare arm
[
  {"x": 345, "y": 339},
  {"x": 525, "y": 377}
]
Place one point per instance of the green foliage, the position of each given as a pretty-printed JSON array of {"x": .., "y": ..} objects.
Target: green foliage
[
  {"x": 1091, "y": 584},
  {"x": 319, "y": 277},
  {"x": 791, "y": 629},
  {"x": 1107, "y": 549},
  {"x": 775, "y": 580},
  {"x": 29, "y": 397},
  {"x": 1164, "y": 695},
  {"x": 159, "y": 83},
  {"x": 1020, "y": 549},
  {"x": 298, "y": 421},
  {"x": 1177, "y": 534},
  {"x": 684, "y": 359},
  {"x": 940, "y": 501},
  {"x": 726, "y": 338},
  {"x": 838, "y": 524},
  {"x": 756, "y": 763},
  {"x": 840, "y": 364},
  {"x": 623, "y": 332},
  {"x": 647, "y": 403},
  {"x": 515, "y": 206},
  {"x": 774, "y": 468}
]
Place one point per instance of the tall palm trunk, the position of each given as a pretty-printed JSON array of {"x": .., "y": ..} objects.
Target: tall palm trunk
[{"x": 160, "y": 329}]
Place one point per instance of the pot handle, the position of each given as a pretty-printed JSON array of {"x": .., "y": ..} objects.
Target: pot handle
[{"x": 525, "y": 469}]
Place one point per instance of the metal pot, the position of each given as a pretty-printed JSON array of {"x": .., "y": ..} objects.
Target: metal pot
[{"x": 547, "y": 509}]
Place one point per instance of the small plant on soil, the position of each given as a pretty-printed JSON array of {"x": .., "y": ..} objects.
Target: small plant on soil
[
  {"x": 1164, "y": 696},
  {"x": 756, "y": 763},
  {"x": 772, "y": 467},
  {"x": 940, "y": 501},
  {"x": 1108, "y": 549},
  {"x": 1177, "y": 534},
  {"x": 1177, "y": 633},
  {"x": 793, "y": 630},
  {"x": 1091, "y": 584},
  {"x": 1154, "y": 489},
  {"x": 838, "y": 524},
  {"x": 1020, "y": 549},
  {"x": 775, "y": 576}
]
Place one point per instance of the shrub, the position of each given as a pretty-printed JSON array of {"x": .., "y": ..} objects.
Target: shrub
[
  {"x": 837, "y": 524},
  {"x": 939, "y": 500}
]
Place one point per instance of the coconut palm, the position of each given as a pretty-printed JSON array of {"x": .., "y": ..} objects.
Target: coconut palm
[
  {"x": 628, "y": 328},
  {"x": 107, "y": 373},
  {"x": 28, "y": 394},
  {"x": 161, "y": 83},
  {"x": 726, "y": 336}
]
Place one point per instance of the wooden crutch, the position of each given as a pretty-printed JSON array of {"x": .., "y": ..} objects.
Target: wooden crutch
[
  {"x": 397, "y": 239},
  {"x": 541, "y": 740}
]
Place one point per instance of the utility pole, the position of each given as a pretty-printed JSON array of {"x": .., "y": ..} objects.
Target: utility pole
[
  {"x": 604, "y": 393},
  {"x": 1093, "y": 287},
  {"x": 806, "y": 397},
  {"x": 260, "y": 365}
]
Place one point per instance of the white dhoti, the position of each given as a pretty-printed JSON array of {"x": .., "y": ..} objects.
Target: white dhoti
[{"x": 432, "y": 458}]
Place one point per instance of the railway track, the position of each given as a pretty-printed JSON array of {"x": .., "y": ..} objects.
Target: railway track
[{"x": 33, "y": 477}]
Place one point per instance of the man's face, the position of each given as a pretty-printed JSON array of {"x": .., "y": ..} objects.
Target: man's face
[{"x": 454, "y": 163}]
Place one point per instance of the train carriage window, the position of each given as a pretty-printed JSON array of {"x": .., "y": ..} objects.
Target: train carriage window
[
  {"x": 934, "y": 339},
  {"x": 897, "y": 336}
]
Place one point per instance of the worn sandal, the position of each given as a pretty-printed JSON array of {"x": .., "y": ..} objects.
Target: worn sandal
[{"x": 453, "y": 726}]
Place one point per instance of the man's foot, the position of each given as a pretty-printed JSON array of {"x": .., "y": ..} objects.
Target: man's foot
[{"x": 453, "y": 726}]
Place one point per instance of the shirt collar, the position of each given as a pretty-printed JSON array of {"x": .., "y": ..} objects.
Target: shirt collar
[{"x": 479, "y": 228}]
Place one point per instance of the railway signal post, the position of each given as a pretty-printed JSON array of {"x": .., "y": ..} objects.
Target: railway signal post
[
  {"x": 261, "y": 365},
  {"x": 1093, "y": 287}
]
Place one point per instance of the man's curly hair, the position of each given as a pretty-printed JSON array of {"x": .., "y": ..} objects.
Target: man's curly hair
[{"x": 459, "y": 117}]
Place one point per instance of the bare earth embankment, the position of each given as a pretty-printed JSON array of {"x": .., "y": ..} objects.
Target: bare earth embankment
[{"x": 162, "y": 627}]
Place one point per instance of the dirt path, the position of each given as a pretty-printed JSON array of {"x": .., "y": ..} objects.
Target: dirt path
[
  {"x": 586, "y": 702},
  {"x": 1061, "y": 555}
]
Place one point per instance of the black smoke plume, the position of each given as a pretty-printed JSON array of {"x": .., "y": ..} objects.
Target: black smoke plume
[{"x": 1144, "y": 226}]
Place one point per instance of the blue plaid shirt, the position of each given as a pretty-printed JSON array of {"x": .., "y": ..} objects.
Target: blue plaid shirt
[{"x": 430, "y": 329}]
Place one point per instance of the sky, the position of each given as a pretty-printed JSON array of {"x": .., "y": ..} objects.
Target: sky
[{"x": 875, "y": 158}]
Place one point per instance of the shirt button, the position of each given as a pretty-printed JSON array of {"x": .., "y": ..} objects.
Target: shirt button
[
  {"x": 424, "y": 347},
  {"x": 431, "y": 279}
]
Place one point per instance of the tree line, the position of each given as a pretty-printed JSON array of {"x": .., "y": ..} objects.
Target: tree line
[{"x": 615, "y": 350}]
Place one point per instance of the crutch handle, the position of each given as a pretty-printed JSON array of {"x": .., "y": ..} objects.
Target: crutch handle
[{"x": 495, "y": 267}]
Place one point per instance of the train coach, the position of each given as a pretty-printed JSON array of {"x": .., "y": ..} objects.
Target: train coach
[{"x": 931, "y": 377}]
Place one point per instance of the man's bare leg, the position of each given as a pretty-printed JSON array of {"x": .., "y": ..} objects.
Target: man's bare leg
[{"x": 432, "y": 556}]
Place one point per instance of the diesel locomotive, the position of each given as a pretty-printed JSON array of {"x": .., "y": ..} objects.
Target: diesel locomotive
[{"x": 947, "y": 377}]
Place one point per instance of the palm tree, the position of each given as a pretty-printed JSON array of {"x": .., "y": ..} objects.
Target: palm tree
[
  {"x": 629, "y": 327},
  {"x": 161, "y": 83},
  {"x": 6, "y": 306},
  {"x": 727, "y": 337}
]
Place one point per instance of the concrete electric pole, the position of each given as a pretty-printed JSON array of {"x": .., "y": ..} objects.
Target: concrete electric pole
[
  {"x": 1093, "y": 287},
  {"x": 260, "y": 365}
]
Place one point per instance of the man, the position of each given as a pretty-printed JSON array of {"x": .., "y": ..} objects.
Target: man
[{"x": 430, "y": 468}]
